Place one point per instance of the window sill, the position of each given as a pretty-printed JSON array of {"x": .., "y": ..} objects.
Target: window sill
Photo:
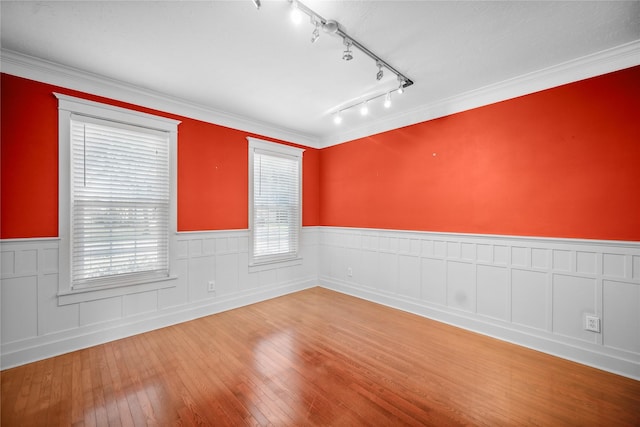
[
  {"x": 271, "y": 265},
  {"x": 76, "y": 296}
]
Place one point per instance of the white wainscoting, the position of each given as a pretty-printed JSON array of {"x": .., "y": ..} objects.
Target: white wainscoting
[
  {"x": 34, "y": 326},
  {"x": 530, "y": 291}
]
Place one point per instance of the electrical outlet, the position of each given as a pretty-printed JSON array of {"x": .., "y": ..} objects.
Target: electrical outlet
[
  {"x": 212, "y": 286},
  {"x": 349, "y": 272},
  {"x": 592, "y": 323}
]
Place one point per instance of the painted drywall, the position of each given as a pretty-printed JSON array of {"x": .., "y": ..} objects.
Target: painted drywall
[
  {"x": 563, "y": 162},
  {"x": 212, "y": 166}
]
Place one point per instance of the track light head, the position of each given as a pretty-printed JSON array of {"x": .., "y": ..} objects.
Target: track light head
[
  {"x": 316, "y": 33},
  {"x": 380, "y": 73},
  {"x": 347, "y": 55},
  {"x": 257, "y": 3},
  {"x": 403, "y": 82}
]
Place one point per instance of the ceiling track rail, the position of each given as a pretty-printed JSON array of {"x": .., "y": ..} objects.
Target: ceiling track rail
[{"x": 333, "y": 27}]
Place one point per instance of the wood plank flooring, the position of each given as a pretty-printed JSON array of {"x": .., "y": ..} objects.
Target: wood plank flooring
[{"x": 315, "y": 357}]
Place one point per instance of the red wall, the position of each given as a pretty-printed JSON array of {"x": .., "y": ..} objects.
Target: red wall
[
  {"x": 564, "y": 162},
  {"x": 212, "y": 166}
]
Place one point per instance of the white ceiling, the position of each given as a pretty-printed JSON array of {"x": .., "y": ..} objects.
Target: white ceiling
[{"x": 228, "y": 56}]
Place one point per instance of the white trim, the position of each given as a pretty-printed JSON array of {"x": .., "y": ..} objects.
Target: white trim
[
  {"x": 122, "y": 115},
  {"x": 282, "y": 150},
  {"x": 609, "y": 60},
  {"x": 471, "y": 236},
  {"x": 254, "y": 268},
  {"x": 29, "y": 240},
  {"x": 76, "y": 296},
  {"x": 275, "y": 147},
  {"x": 606, "y": 61},
  {"x": 67, "y": 106}
]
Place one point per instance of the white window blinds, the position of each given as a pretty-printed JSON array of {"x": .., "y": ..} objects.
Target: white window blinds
[
  {"x": 120, "y": 202},
  {"x": 275, "y": 204}
]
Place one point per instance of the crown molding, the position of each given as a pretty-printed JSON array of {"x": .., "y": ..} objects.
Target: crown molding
[
  {"x": 37, "y": 69},
  {"x": 606, "y": 61}
]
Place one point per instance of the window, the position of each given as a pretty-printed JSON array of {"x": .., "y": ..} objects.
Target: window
[
  {"x": 275, "y": 202},
  {"x": 117, "y": 192}
]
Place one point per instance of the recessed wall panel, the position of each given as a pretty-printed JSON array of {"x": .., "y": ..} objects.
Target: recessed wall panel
[
  {"x": 613, "y": 265},
  {"x": 434, "y": 285},
  {"x": 19, "y": 308},
  {"x": 586, "y": 262},
  {"x": 539, "y": 258},
  {"x": 493, "y": 292},
  {"x": 621, "y": 309},
  {"x": 573, "y": 297},
  {"x": 51, "y": 316},
  {"x": 520, "y": 256},
  {"x": 409, "y": 276},
  {"x": 143, "y": 302},
  {"x": 562, "y": 260},
  {"x": 102, "y": 310},
  {"x": 529, "y": 298},
  {"x": 226, "y": 274},
  {"x": 485, "y": 253},
  {"x": 27, "y": 261},
  {"x": 388, "y": 271},
  {"x": 461, "y": 286}
]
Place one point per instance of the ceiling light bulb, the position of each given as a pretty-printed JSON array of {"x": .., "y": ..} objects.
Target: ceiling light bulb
[
  {"x": 337, "y": 119},
  {"x": 347, "y": 55},
  {"x": 296, "y": 14},
  {"x": 387, "y": 100},
  {"x": 380, "y": 73},
  {"x": 364, "y": 110}
]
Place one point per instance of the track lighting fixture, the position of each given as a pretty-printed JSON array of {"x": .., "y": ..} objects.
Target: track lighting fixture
[
  {"x": 364, "y": 106},
  {"x": 316, "y": 32},
  {"x": 402, "y": 84},
  {"x": 347, "y": 55},
  {"x": 257, "y": 3},
  {"x": 333, "y": 27}
]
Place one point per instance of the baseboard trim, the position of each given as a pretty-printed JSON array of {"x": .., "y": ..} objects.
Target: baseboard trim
[
  {"x": 42, "y": 347},
  {"x": 589, "y": 357}
]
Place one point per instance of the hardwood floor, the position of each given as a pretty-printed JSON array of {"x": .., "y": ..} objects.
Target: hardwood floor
[{"x": 315, "y": 357}]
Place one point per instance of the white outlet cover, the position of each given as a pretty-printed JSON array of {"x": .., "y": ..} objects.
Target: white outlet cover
[{"x": 592, "y": 323}]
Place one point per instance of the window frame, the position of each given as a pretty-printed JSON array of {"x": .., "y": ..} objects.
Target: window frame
[
  {"x": 68, "y": 106},
  {"x": 277, "y": 150}
]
